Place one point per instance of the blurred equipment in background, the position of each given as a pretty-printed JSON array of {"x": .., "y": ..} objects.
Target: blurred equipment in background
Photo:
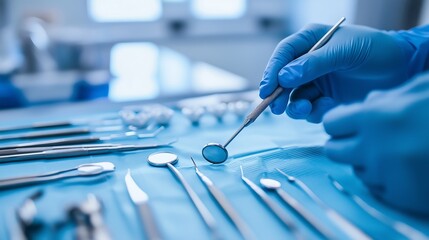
[
  {"x": 129, "y": 50},
  {"x": 10, "y": 61},
  {"x": 35, "y": 46},
  {"x": 389, "y": 14},
  {"x": 48, "y": 76},
  {"x": 134, "y": 50}
]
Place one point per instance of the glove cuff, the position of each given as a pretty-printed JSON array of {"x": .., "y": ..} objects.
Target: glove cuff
[{"x": 415, "y": 44}]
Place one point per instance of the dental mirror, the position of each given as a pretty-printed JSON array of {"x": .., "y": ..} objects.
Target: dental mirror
[
  {"x": 215, "y": 153},
  {"x": 161, "y": 159}
]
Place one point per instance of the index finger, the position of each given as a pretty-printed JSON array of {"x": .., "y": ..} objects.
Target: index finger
[
  {"x": 343, "y": 121},
  {"x": 287, "y": 50}
]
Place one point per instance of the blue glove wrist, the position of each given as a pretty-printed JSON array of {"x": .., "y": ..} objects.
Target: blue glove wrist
[
  {"x": 415, "y": 44},
  {"x": 385, "y": 139},
  {"x": 355, "y": 61}
]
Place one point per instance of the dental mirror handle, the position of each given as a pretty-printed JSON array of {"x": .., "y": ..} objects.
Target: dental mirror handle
[
  {"x": 150, "y": 227},
  {"x": 263, "y": 105},
  {"x": 255, "y": 113}
]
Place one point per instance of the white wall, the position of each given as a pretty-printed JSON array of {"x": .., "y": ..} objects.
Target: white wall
[{"x": 424, "y": 18}]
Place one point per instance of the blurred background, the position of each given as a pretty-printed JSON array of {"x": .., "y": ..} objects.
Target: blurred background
[{"x": 126, "y": 50}]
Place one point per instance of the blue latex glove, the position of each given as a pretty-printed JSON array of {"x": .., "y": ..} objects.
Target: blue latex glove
[
  {"x": 353, "y": 62},
  {"x": 385, "y": 138}
]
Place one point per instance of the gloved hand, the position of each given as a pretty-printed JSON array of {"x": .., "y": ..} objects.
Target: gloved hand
[
  {"x": 385, "y": 138},
  {"x": 353, "y": 62}
]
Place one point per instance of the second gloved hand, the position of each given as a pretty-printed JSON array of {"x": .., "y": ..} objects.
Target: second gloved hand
[
  {"x": 353, "y": 62},
  {"x": 385, "y": 138}
]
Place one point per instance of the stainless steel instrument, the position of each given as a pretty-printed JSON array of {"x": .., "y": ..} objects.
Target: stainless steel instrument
[{"x": 141, "y": 200}]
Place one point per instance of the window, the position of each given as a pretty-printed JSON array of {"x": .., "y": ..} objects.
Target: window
[
  {"x": 134, "y": 66},
  {"x": 146, "y": 71},
  {"x": 218, "y": 9},
  {"x": 124, "y": 10}
]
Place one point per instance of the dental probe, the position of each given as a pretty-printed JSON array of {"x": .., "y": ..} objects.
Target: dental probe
[
  {"x": 264, "y": 104},
  {"x": 221, "y": 150}
]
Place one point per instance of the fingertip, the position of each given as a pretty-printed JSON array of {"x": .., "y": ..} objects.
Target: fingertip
[
  {"x": 331, "y": 150},
  {"x": 342, "y": 120},
  {"x": 320, "y": 107},
  {"x": 299, "y": 109},
  {"x": 278, "y": 106},
  {"x": 343, "y": 151},
  {"x": 316, "y": 119},
  {"x": 263, "y": 92},
  {"x": 276, "y": 110},
  {"x": 266, "y": 87},
  {"x": 331, "y": 115}
]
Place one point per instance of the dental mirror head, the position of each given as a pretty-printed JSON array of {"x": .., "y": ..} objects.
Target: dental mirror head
[
  {"x": 270, "y": 183},
  {"x": 161, "y": 159},
  {"x": 215, "y": 153}
]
